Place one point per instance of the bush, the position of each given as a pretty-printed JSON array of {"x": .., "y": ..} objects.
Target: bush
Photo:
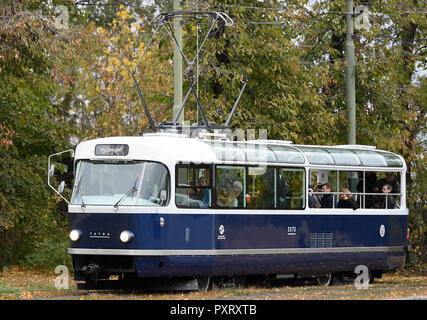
[{"x": 49, "y": 254}]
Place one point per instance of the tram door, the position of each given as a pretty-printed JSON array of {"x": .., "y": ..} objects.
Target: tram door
[{"x": 249, "y": 199}]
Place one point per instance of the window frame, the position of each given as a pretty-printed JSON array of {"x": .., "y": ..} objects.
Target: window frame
[
  {"x": 119, "y": 161},
  {"x": 276, "y": 168},
  {"x": 194, "y": 166},
  {"x": 363, "y": 193}
]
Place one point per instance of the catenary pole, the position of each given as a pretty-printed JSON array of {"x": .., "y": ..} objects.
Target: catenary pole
[
  {"x": 350, "y": 75},
  {"x": 177, "y": 64}
]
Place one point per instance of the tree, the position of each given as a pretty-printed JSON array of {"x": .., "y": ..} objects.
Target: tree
[
  {"x": 29, "y": 129},
  {"x": 107, "y": 98}
]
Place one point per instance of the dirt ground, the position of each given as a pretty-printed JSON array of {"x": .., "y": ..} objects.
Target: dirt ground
[{"x": 17, "y": 283}]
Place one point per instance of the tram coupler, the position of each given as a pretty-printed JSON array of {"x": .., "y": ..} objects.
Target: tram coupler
[{"x": 91, "y": 271}]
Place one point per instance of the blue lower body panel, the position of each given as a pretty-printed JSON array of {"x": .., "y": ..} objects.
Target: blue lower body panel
[
  {"x": 232, "y": 244},
  {"x": 169, "y": 266}
]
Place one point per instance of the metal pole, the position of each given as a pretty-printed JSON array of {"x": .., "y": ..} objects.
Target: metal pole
[
  {"x": 177, "y": 64},
  {"x": 350, "y": 75}
]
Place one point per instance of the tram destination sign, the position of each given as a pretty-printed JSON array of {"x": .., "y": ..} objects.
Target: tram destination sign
[{"x": 111, "y": 150}]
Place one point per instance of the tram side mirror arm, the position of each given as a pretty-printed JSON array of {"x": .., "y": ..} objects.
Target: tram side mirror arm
[
  {"x": 50, "y": 173},
  {"x": 61, "y": 187}
]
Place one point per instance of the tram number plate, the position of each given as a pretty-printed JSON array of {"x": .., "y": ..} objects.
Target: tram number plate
[{"x": 292, "y": 231}]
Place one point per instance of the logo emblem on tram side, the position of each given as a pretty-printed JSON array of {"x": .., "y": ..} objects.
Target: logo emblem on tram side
[
  {"x": 382, "y": 231},
  {"x": 99, "y": 235},
  {"x": 221, "y": 231}
]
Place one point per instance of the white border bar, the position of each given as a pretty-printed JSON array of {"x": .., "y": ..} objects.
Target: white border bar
[{"x": 229, "y": 252}]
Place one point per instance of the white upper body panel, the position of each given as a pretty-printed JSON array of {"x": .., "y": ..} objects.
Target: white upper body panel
[{"x": 164, "y": 148}]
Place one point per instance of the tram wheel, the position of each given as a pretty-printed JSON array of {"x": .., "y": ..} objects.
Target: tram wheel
[
  {"x": 325, "y": 279},
  {"x": 203, "y": 283}
]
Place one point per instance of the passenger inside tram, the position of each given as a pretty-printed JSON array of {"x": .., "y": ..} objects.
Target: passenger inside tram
[
  {"x": 204, "y": 193},
  {"x": 314, "y": 198},
  {"x": 362, "y": 189},
  {"x": 327, "y": 200},
  {"x": 346, "y": 200},
  {"x": 228, "y": 193},
  {"x": 386, "y": 201},
  {"x": 200, "y": 195},
  {"x": 391, "y": 180}
]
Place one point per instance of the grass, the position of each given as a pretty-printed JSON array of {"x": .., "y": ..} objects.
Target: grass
[
  {"x": 20, "y": 283},
  {"x": 7, "y": 290}
]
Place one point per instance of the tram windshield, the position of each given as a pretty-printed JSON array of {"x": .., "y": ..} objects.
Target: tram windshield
[{"x": 131, "y": 183}]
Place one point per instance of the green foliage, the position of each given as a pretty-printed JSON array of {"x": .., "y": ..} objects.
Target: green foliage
[
  {"x": 49, "y": 254},
  {"x": 31, "y": 130}
]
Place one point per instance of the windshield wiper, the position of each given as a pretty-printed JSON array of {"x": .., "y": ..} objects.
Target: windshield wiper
[
  {"x": 129, "y": 193},
  {"x": 79, "y": 193}
]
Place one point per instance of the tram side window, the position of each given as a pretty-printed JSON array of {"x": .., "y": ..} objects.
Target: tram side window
[
  {"x": 230, "y": 186},
  {"x": 260, "y": 187},
  {"x": 322, "y": 189},
  {"x": 260, "y": 190},
  {"x": 354, "y": 189},
  {"x": 290, "y": 188},
  {"x": 381, "y": 190},
  {"x": 193, "y": 186}
]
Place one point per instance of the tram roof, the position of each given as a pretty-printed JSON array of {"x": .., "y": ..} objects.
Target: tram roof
[{"x": 159, "y": 147}]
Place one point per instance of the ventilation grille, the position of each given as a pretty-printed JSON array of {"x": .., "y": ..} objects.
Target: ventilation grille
[{"x": 320, "y": 239}]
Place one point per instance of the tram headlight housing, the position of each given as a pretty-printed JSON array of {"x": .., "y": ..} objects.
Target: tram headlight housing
[
  {"x": 75, "y": 235},
  {"x": 126, "y": 236}
]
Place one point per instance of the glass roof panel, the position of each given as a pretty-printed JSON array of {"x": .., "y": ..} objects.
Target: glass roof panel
[
  {"x": 287, "y": 154},
  {"x": 371, "y": 158},
  {"x": 277, "y": 153},
  {"x": 258, "y": 153},
  {"x": 343, "y": 157},
  {"x": 226, "y": 151},
  {"x": 317, "y": 155},
  {"x": 392, "y": 160}
]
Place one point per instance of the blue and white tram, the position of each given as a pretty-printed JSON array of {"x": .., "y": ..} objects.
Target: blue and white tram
[{"x": 165, "y": 205}]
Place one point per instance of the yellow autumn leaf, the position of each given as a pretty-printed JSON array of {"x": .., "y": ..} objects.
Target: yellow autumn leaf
[
  {"x": 126, "y": 61},
  {"x": 114, "y": 61}
]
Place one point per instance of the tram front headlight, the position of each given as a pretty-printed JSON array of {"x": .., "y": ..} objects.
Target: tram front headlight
[
  {"x": 75, "y": 235},
  {"x": 126, "y": 236}
]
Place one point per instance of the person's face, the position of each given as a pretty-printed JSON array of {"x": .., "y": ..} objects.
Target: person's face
[
  {"x": 223, "y": 193},
  {"x": 386, "y": 189},
  {"x": 344, "y": 196},
  {"x": 325, "y": 188},
  {"x": 236, "y": 190}
]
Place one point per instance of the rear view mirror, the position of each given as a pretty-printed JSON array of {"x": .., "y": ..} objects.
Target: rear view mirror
[
  {"x": 61, "y": 187},
  {"x": 163, "y": 195},
  {"x": 51, "y": 170}
]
